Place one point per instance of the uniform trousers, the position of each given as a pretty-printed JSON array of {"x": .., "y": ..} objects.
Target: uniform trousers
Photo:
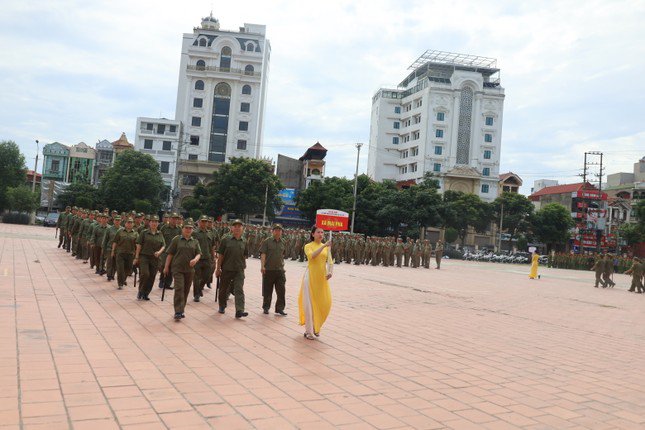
[
  {"x": 148, "y": 266},
  {"x": 203, "y": 270},
  {"x": 61, "y": 237},
  {"x": 183, "y": 280},
  {"x": 232, "y": 281},
  {"x": 273, "y": 279},
  {"x": 97, "y": 259},
  {"x": 110, "y": 264},
  {"x": 399, "y": 258},
  {"x": 123, "y": 266},
  {"x": 437, "y": 259}
]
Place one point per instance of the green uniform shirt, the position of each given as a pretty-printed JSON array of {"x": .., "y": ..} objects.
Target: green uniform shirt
[
  {"x": 274, "y": 251},
  {"x": 125, "y": 241},
  {"x": 109, "y": 237},
  {"x": 61, "y": 223},
  {"x": 98, "y": 235},
  {"x": 89, "y": 230},
  {"x": 206, "y": 243},
  {"x": 169, "y": 233},
  {"x": 234, "y": 252},
  {"x": 182, "y": 251},
  {"x": 150, "y": 242}
]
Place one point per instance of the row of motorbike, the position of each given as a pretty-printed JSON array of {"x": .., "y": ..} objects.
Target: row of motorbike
[{"x": 503, "y": 257}]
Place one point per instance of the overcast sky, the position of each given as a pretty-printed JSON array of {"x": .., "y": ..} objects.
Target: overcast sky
[{"x": 74, "y": 71}]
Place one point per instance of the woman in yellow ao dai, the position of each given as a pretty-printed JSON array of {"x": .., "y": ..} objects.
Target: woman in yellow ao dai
[{"x": 314, "y": 301}]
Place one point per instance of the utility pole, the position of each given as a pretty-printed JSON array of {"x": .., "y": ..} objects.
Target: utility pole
[
  {"x": 358, "y": 156},
  {"x": 33, "y": 183},
  {"x": 501, "y": 223},
  {"x": 597, "y": 156}
]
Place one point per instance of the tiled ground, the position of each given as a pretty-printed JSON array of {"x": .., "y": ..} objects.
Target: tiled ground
[{"x": 473, "y": 345}]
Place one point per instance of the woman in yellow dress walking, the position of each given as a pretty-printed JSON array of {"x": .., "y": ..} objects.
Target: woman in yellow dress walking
[
  {"x": 314, "y": 301},
  {"x": 535, "y": 260}
]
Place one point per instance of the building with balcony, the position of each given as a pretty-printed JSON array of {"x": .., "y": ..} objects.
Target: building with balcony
[
  {"x": 104, "y": 159},
  {"x": 81, "y": 164},
  {"x": 55, "y": 162},
  {"x": 221, "y": 95},
  {"x": 299, "y": 173},
  {"x": 509, "y": 183},
  {"x": 162, "y": 139},
  {"x": 445, "y": 117}
]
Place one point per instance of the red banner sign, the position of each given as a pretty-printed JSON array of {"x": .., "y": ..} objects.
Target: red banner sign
[{"x": 331, "y": 219}]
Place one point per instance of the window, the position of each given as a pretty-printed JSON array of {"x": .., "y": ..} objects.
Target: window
[
  {"x": 172, "y": 128},
  {"x": 244, "y": 126},
  {"x": 55, "y": 166},
  {"x": 416, "y": 135},
  {"x": 246, "y": 89},
  {"x": 225, "y": 59},
  {"x": 404, "y": 154},
  {"x": 164, "y": 167},
  {"x": 438, "y": 150},
  {"x": 241, "y": 145},
  {"x": 403, "y": 170},
  {"x": 488, "y": 137},
  {"x": 197, "y": 102},
  {"x": 418, "y": 103},
  {"x": 397, "y": 125},
  {"x": 202, "y": 42},
  {"x": 416, "y": 119},
  {"x": 415, "y": 151},
  {"x": 149, "y": 126},
  {"x": 200, "y": 65},
  {"x": 245, "y": 107},
  {"x": 192, "y": 156},
  {"x": 485, "y": 188},
  {"x": 250, "y": 47},
  {"x": 395, "y": 140},
  {"x": 220, "y": 124},
  {"x": 167, "y": 145},
  {"x": 222, "y": 106},
  {"x": 489, "y": 120},
  {"x": 194, "y": 140},
  {"x": 487, "y": 154},
  {"x": 248, "y": 70},
  {"x": 161, "y": 128},
  {"x": 438, "y": 133},
  {"x": 486, "y": 171},
  {"x": 196, "y": 121},
  {"x": 413, "y": 167},
  {"x": 199, "y": 85},
  {"x": 147, "y": 144},
  {"x": 397, "y": 109},
  {"x": 441, "y": 116},
  {"x": 436, "y": 167}
]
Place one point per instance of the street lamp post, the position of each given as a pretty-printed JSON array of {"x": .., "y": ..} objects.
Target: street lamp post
[
  {"x": 358, "y": 155},
  {"x": 33, "y": 182}
]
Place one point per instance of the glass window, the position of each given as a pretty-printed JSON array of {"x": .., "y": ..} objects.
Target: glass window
[
  {"x": 241, "y": 145},
  {"x": 489, "y": 120},
  {"x": 245, "y": 107},
  {"x": 441, "y": 116},
  {"x": 201, "y": 65},
  {"x": 197, "y": 102},
  {"x": 147, "y": 144},
  {"x": 248, "y": 70},
  {"x": 202, "y": 42},
  {"x": 244, "y": 126},
  {"x": 487, "y": 154},
  {"x": 397, "y": 109},
  {"x": 196, "y": 121},
  {"x": 194, "y": 140},
  {"x": 436, "y": 167},
  {"x": 488, "y": 137},
  {"x": 485, "y": 188},
  {"x": 167, "y": 145},
  {"x": 246, "y": 89},
  {"x": 164, "y": 167},
  {"x": 223, "y": 90},
  {"x": 225, "y": 59},
  {"x": 161, "y": 128},
  {"x": 192, "y": 156},
  {"x": 486, "y": 171},
  {"x": 222, "y": 106},
  {"x": 438, "y": 150},
  {"x": 438, "y": 133},
  {"x": 149, "y": 126},
  {"x": 220, "y": 124},
  {"x": 199, "y": 85},
  {"x": 55, "y": 166},
  {"x": 395, "y": 140},
  {"x": 172, "y": 128},
  {"x": 397, "y": 124}
]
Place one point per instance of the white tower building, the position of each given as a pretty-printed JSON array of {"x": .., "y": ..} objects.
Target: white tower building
[
  {"x": 445, "y": 117},
  {"x": 222, "y": 91}
]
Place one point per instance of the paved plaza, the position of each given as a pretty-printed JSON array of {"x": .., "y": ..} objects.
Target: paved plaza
[{"x": 473, "y": 345}]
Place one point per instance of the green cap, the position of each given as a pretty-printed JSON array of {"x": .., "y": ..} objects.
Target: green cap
[
  {"x": 189, "y": 223},
  {"x": 175, "y": 215},
  {"x": 117, "y": 218},
  {"x": 154, "y": 218},
  {"x": 203, "y": 218},
  {"x": 129, "y": 220},
  {"x": 277, "y": 226},
  {"x": 237, "y": 221}
]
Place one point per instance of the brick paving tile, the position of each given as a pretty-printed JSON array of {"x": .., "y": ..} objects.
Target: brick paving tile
[{"x": 473, "y": 345}]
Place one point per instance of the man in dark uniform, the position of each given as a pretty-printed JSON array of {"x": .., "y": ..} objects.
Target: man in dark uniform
[
  {"x": 123, "y": 248},
  {"x": 169, "y": 231},
  {"x": 599, "y": 268},
  {"x": 607, "y": 271},
  {"x": 204, "y": 268},
  {"x": 98, "y": 235},
  {"x": 183, "y": 254},
  {"x": 272, "y": 253},
  {"x": 150, "y": 245},
  {"x": 231, "y": 263},
  {"x": 438, "y": 253},
  {"x": 61, "y": 226},
  {"x": 108, "y": 239}
]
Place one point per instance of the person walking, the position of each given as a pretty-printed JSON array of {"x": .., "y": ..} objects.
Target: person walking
[
  {"x": 636, "y": 271},
  {"x": 204, "y": 267},
  {"x": 535, "y": 261},
  {"x": 123, "y": 248},
  {"x": 98, "y": 235},
  {"x": 183, "y": 254},
  {"x": 231, "y": 262},
  {"x": 272, "y": 253},
  {"x": 169, "y": 232},
  {"x": 607, "y": 270},
  {"x": 438, "y": 253},
  {"x": 108, "y": 240},
  {"x": 599, "y": 268},
  {"x": 150, "y": 245},
  {"x": 314, "y": 300}
]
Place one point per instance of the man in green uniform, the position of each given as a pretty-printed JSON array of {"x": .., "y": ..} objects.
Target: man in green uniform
[
  {"x": 204, "y": 267},
  {"x": 438, "y": 253},
  {"x": 109, "y": 261},
  {"x": 427, "y": 252},
  {"x": 123, "y": 248},
  {"x": 398, "y": 252},
  {"x": 150, "y": 245},
  {"x": 183, "y": 254},
  {"x": 89, "y": 231},
  {"x": 636, "y": 271},
  {"x": 76, "y": 230},
  {"x": 599, "y": 268},
  {"x": 169, "y": 231},
  {"x": 407, "y": 252},
  {"x": 608, "y": 269},
  {"x": 61, "y": 226},
  {"x": 98, "y": 235},
  {"x": 231, "y": 263},
  {"x": 272, "y": 253}
]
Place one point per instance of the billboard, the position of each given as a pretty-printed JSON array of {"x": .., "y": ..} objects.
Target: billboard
[{"x": 289, "y": 209}]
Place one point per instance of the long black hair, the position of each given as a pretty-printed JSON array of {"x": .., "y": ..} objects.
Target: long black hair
[{"x": 313, "y": 230}]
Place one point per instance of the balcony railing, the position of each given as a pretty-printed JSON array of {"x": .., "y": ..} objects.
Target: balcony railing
[{"x": 223, "y": 70}]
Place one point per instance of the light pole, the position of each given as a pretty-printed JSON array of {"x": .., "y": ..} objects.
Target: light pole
[
  {"x": 33, "y": 183},
  {"x": 501, "y": 222},
  {"x": 358, "y": 156}
]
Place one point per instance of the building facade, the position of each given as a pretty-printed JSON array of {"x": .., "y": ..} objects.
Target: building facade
[
  {"x": 445, "y": 117},
  {"x": 104, "y": 159},
  {"x": 222, "y": 88},
  {"x": 55, "y": 162},
  {"x": 81, "y": 164},
  {"x": 160, "y": 138}
]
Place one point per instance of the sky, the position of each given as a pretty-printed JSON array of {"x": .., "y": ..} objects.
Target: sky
[{"x": 73, "y": 71}]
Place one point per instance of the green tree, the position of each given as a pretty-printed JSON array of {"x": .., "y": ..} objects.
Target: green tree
[
  {"x": 12, "y": 170},
  {"x": 631, "y": 233},
  {"x": 551, "y": 225},
  {"x": 79, "y": 194},
  {"x": 21, "y": 199},
  {"x": 134, "y": 176},
  {"x": 640, "y": 214},
  {"x": 451, "y": 235},
  {"x": 240, "y": 187},
  {"x": 461, "y": 211},
  {"x": 517, "y": 210},
  {"x": 332, "y": 193}
]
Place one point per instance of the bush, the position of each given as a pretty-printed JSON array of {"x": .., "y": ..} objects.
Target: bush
[
  {"x": 15, "y": 218},
  {"x": 451, "y": 235}
]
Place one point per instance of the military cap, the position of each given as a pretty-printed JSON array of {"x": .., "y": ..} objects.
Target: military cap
[
  {"x": 102, "y": 215},
  {"x": 115, "y": 212},
  {"x": 277, "y": 226},
  {"x": 175, "y": 215},
  {"x": 189, "y": 223},
  {"x": 129, "y": 220},
  {"x": 211, "y": 219},
  {"x": 117, "y": 218},
  {"x": 147, "y": 217},
  {"x": 154, "y": 218},
  {"x": 67, "y": 207},
  {"x": 139, "y": 215},
  {"x": 203, "y": 218},
  {"x": 237, "y": 221},
  {"x": 74, "y": 207}
]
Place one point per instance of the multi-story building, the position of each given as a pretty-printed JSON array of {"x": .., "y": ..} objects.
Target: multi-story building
[
  {"x": 104, "y": 159},
  {"x": 445, "y": 117},
  {"x": 120, "y": 145},
  {"x": 55, "y": 162},
  {"x": 299, "y": 173},
  {"x": 81, "y": 164},
  {"x": 160, "y": 137},
  {"x": 222, "y": 91}
]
